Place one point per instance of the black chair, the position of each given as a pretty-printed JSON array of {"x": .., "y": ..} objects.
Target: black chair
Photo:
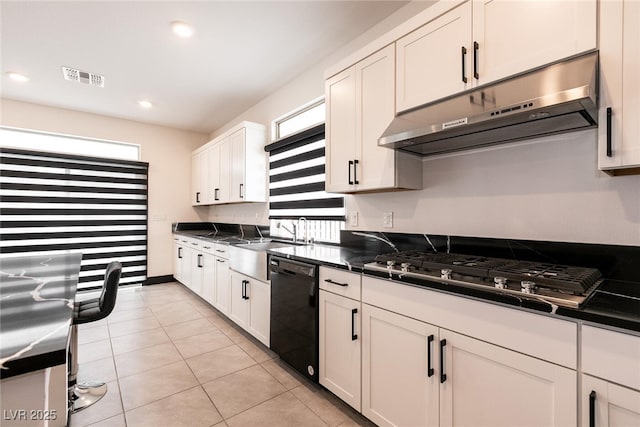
[{"x": 83, "y": 395}]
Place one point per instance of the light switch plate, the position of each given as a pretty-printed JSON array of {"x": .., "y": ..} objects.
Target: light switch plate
[{"x": 387, "y": 220}]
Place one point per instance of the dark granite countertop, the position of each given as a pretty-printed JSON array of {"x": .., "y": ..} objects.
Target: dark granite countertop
[
  {"x": 36, "y": 309},
  {"x": 352, "y": 259},
  {"x": 616, "y": 303}
]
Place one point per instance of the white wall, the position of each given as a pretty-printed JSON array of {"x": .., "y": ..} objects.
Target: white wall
[
  {"x": 544, "y": 189},
  {"x": 548, "y": 189},
  {"x": 167, "y": 150},
  {"x": 303, "y": 89}
]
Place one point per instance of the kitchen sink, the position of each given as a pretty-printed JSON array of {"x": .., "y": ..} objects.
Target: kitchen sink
[
  {"x": 265, "y": 246},
  {"x": 250, "y": 259}
]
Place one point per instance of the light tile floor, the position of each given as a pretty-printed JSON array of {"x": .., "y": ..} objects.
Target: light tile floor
[{"x": 171, "y": 360}]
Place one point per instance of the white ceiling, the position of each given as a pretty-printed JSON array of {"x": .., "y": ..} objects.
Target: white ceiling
[{"x": 240, "y": 52}]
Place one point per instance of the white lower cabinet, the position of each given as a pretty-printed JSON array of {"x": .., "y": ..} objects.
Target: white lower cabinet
[
  {"x": 208, "y": 278},
  {"x": 482, "y": 384},
  {"x": 398, "y": 387},
  {"x": 605, "y": 404},
  {"x": 222, "y": 285},
  {"x": 610, "y": 392},
  {"x": 250, "y": 305},
  {"x": 340, "y": 337},
  {"x": 197, "y": 272},
  {"x": 416, "y": 374}
]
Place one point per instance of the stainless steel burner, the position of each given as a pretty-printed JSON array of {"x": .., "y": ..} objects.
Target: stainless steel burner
[{"x": 556, "y": 284}]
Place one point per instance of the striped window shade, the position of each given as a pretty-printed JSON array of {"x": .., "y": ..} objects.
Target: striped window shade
[
  {"x": 58, "y": 203},
  {"x": 297, "y": 177}
]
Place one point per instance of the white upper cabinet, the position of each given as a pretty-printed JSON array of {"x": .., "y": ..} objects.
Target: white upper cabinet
[
  {"x": 340, "y": 133},
  {"x": 618, "y": 124},
  {"x": 235, "y": 166},
  {"x": 482, "y": 41},
  {"x": 360, "y": 106},
  {"x": 435, "y": 60},
  {"x": 200, "y": 179},
  {"x": 517, "y": 35}
]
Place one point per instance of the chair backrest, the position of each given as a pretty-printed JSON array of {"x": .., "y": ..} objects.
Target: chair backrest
[{"x": 107, "y": 299}]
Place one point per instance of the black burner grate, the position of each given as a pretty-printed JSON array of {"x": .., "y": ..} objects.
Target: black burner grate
[{"x": 566, "y": 278}]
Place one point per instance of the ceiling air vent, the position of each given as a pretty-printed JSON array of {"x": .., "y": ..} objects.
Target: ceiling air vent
[{"x": 82, "y": 77}]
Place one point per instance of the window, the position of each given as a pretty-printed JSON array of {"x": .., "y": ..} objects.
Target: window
[
  {"x": 297, "y": 182},
  {"x": 37, "y": 141},
  {"x": 309, "y": 115},
  {"x": 58, "y": 203}
]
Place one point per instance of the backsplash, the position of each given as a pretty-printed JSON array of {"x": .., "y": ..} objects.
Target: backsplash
[{"x": 613, "y": 261}]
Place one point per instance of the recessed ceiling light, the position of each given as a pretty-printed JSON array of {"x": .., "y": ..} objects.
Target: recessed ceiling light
[
  {"x": 182, "y": 29},
  {"x": 145, "y": 104},
  {"x": 16, "y": 77}
]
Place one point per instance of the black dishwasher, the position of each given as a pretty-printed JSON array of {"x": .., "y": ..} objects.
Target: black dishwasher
[{"x": 294, "y": 314}]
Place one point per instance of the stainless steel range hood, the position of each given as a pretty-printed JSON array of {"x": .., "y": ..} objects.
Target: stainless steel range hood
[{"x": 557, "y": 98}]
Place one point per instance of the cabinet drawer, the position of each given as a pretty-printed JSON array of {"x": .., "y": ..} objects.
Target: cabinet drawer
[
  {"x": 612, "y": 356},
  {"x": 340, "y": 282},
  {"x": 221, "y": 251},
  {"x": 208, "y": 247}
]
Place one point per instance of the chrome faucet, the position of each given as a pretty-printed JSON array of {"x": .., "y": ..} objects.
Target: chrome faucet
[
  {"x": 294, "y": 233},
  {"x": 306, "y": 229}
]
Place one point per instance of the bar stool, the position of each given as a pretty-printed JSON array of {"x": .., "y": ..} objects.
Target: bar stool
[{"x": 82, "y": 395}]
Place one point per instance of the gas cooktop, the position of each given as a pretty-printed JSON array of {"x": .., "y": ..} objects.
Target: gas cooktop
[{"x": 557, "y": 285}]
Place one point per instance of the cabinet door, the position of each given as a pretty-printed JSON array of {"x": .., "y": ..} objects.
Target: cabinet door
[
  {"x": 237, "y": 172},
  {"x": 177, "y": 260},
  {"x": 208, "y": 278},
  {"x": 224, "y": 167},
  {"x": 487, "y": 385},
  {"x": 197, "y": 272},
  {"x": 185, "y": 268},
  {"x": 259, "y": 298},
  {"x": 339, "y": 347},
  {"x": 605, "y": 404},
  {"x": 222, "y": 295},
  {"x": 340, "y": 93},
  {"x": 213, "y": 190},
  {"x": 434, "y": 61},
  {"x": 375, "y": 94},
  {"x": 196, "y": 181},
  {"x": 398, "y": 389},
  {"x": 619, "y": 128},
  {"x": 238, "y": 305},
  {"x": 517, "y": 35}
]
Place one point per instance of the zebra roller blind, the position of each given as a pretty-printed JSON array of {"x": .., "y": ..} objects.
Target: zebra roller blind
[
  {"x": 56, "y": 203},
  {"x": 297, "y": 177}
]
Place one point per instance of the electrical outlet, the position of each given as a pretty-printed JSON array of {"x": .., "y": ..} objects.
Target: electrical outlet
[
  {"x": 353, "y": 219},
  {"x": 387, "y": 220}
]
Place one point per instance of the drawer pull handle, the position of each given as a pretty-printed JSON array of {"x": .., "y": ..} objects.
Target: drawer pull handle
[
  {"x": 609, "y": 142},
  {"x": 430, "y": 339},
  {"x": 592, "y": 409},
  {"x": 336, "y": 283},
  {"x": 443, "y": 376},
  {"x": 354, "y": 336},
  {"x": 464, "y": 71},
  {"x": 476, "y": 46}
]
